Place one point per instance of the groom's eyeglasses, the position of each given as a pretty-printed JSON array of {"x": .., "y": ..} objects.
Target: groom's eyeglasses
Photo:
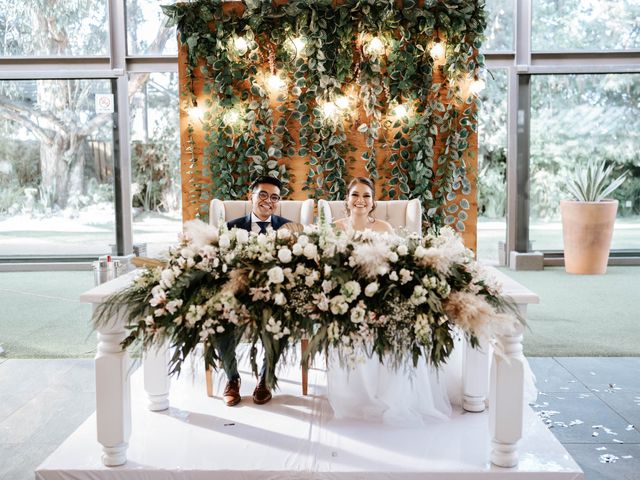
[{"x": 262, "y": 195}]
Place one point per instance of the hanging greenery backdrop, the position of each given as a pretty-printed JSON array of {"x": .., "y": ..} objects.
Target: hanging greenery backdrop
[{"x": 314, "y": 92}]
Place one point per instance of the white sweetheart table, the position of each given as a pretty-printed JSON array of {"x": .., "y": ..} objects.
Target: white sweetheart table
[{"x": 113, "y": 397}]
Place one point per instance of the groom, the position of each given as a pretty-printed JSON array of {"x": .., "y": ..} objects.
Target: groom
[{"x": 265, "y": 196}]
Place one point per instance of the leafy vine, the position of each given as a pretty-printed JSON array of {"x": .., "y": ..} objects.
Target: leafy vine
[{"x": 333, "y": 73}]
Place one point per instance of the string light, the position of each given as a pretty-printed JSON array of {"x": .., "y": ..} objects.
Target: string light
[
  {"x": 231, "y": 117},
  {"x": 329, "y": 109},
  {"x": 400, "y": 111},
  {"x": 241, "y": 45},
  {"x": 196, "y": 113},
  {"x": 375, "y": 47},
  {"x": 275, "y": 82},
  {"x": 342, "y": 102},
  {"x": 296, "y": 46},
  {"x": 437, "y": 50},
  {"x": 477, "y": 85}
]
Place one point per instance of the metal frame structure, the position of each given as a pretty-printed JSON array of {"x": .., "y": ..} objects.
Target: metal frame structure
[
  {"x": 116, "y": 67},
  {"x": 521, "y": 64}
]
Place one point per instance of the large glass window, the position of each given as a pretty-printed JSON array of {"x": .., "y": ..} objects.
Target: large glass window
[
  {"x": 499, "y": 32},
  {"x": 575, "y": 118},
  {"x": 587, "y": 25},
  {"x": 155, "y": 160},
  {"x": 53, "y": 28},
  {"x": 146, "y": 33},
  {"x": 56, "y": 168},
  {"x": 492, "y": 167}
]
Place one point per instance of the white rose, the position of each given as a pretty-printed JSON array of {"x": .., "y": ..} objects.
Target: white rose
[
  {"x": 382, "y": 269},
  {"x": 283, "y": 233},
  {"x": 371, "y": 289},
  {"x": 168, "y": 276},
  {"x": 303, "y": 240},
  {"x": 357, "y": 315},
  {"x": 393, "y": 276},
  {"x": 420, "y": 251},
  {"x": 405, "y": 276},
  {"x": 279, "y": 298},
  {"x": 403, "y": 250},
  {"x": 393, "y": 257},
  {"x": 276, "y": 275},
  {"x": 297, "y": 249},
  {"x": 338, "y": 305},
  {"x": 327, "y": 286},
  {"x": 187, "y": 252},
  {"x": 242, "y": 235},
  {"x": 224, "y": 241},
  {"x": 284, "y": 255},
  {"x": 310, "y": 250},
  {"x": 351, "y": 290}
]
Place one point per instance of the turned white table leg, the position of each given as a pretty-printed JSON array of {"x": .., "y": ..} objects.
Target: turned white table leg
[
  {"x": 113, "y": 394},
  {"x": 506, "y": 401},
  {"x": 475, "y": 377},
  {"x": 156, "y": 377}
]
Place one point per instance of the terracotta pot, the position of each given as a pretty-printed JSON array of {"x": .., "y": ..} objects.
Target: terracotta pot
[{"x": 587, "y": 228}]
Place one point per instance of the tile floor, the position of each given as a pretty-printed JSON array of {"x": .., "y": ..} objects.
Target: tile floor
[{"x": 592, "y": 405}]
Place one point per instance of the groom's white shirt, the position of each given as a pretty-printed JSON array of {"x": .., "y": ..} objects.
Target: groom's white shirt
[{"x": 254, "y": 223}]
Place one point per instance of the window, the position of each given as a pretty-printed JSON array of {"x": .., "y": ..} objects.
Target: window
[
  {"x": 56, "y": 169},
  {"x": 146, "y": 33},
  {"x": 587, "y": 25},
  {"x": 492, "y": 166},
  {"x": 575, "y": 118},
  {"x": 155, "y": 160},
  {"x": 53, "y": 28},
  {"x": 499, "y": 32}
]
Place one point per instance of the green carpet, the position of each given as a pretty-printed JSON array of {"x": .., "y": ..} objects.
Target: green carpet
[
  {"x": 578, "y": 315},
  {"x": 583, "y": 315},
  {"x": 41, "y": 316}
]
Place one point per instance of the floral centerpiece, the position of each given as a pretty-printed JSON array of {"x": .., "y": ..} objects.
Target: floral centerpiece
[{"x": 398, "y": 297}]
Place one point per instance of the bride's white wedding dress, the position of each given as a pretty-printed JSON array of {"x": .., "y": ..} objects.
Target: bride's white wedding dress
[{"x": 404, "y": 397}]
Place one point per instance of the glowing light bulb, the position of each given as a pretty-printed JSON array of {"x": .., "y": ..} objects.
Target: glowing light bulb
[
  {"x": 275, "y": 82},
  {"x": 437, "y": 50},
  {"x": 241, "y": 45},
  {"x": 375, "y": 46},
  {"x": 196, "y": 113},
  {"x": 329, "y": 109},
  {"x": 342, "y": 102},
  {"x": 231, "y": 117},
  {"x": 298, "y": 44},
  {"x": 400, "y": 111},
  {"x": 477, "y": 86}
]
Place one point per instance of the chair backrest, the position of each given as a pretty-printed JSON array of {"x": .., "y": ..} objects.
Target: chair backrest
[
  {"x": 300, "y": 211},
  {"x": 405, "y": 214}
]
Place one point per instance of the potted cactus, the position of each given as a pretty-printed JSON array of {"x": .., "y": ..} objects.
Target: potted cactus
[{"x": 588, "y": 218}]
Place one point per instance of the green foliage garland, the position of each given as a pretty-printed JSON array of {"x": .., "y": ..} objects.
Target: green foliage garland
[{"x": 336, "y": 60}]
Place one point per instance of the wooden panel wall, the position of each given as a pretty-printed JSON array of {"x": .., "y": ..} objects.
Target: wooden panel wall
[{"x": 192, "y": 172}]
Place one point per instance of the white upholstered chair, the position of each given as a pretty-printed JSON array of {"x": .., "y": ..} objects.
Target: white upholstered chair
[
  {"x": 299, "y": 211},
  {"x": 400, "y": 214}
]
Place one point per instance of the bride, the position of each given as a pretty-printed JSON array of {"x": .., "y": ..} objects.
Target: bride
[{"x": 402, "y": 396}]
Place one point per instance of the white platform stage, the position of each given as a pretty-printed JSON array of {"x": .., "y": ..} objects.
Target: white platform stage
[{"x": 296, "y": 437}]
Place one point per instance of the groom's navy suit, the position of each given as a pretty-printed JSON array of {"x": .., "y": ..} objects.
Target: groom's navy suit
[
  {"x": 227, "y": 344},
  {"x": 245, "y": 222}
]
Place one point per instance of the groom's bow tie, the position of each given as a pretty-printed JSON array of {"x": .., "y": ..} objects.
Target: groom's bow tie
[{"x": 263, "y": 226}]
